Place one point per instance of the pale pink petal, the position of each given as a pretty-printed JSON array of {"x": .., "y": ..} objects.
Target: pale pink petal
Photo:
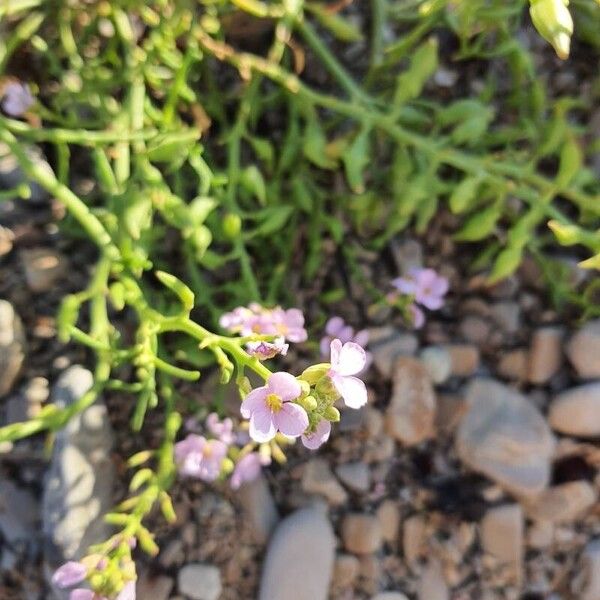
[
  {"x": 255, "y": 400},
  {"x": 291, "y": 420},
  {"x": 418, "y": 316},
  {"x": 128, "y": 592},
  {"x": 262, "y": 428},
  {"x": 69, "y": 574},
  {"x": 333, "y": 326},
  {"x": 336, "y": 348},
  {"x": 247, "y": 469},
  {"x": 361, "y": 337},
  {"x": 346, "y": 334},
  {"x": 284, "y": 385},
  {"x": 352, "y": 390},
  {"x": 430, "y": 301},
  {"x": 440, "y": 286},
  {"x": 324, "y": 345},
  {"x": 404, "y": 285},
  {"x": 352, "y": 359},
  {"x": 319, "y": 436},
  {"x": 81, "y": 594}
]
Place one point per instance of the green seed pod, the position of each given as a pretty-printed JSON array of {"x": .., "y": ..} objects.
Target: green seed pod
[
  {"x": 332, "y": 414},
  {"x": 553, "y": 21},
  {"x": 166, "y": 507},
  {"x": 566, "y": 234},
  {"x": 116, "y": 293},
  {"x": 232, "y": 225}
]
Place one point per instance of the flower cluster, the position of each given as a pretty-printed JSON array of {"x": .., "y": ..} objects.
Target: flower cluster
[
  {"x": 108, "y": 581},
  {"x": 336, "y": 327},
  {"x": 283, "y": 325},
  {"x": 217, "y": 454},
  {"x": 425, "y": 288},
  {"x": 304, "y": 406},
  {"x": 16, "y": 98}
]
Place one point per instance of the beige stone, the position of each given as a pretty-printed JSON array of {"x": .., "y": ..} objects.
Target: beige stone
[
  {"x": 577, "y": 411},
  {"x": 583, "y": 350},
  {"x": 545, "y": 355},
  {"x": 464, "y": 358},
  {"x": 388, "y": 514},
  {"x": 502, "y": 536},
  {"x": 318, "y": 479},
  {"x": 410, "y": 417},
  {"x": 562, "y": 503},
  {"x": 361, "y": 533}
]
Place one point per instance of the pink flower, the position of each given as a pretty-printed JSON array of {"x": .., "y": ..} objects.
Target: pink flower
[
  {"x": 425, "y": 285},
  {"x": 347, "y": 360},
  {"x": 69, "y": 574},
  {"x": 288, "y": 324},
  {"x": 313, "y": 439},
  {"x": 128, "y": 592},
  {"x": 247, "y": 469},
  {"x": 16, "y": 99},
  {"x": 200, "y": 458},
  {"x": 265, "y": 350},
  {"x": 223, "y": 430},
  {"x": 337, "y": 328},
  {"x": 270, "y": 408},
  {"x": 418, "y": 316}
]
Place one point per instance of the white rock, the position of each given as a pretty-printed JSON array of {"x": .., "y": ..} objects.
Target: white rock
[
  {"x": 259, "y": 508},
  {"x": 355, "y": 476},
  {"x": 12, "y": 346},
  {"x": 200, "y": 581},
  {"x": 78, "y": 486},
  {"x": 438, "y": 362},
  {"x": 577, "y": 411},
  {"x": 505, "y": 437},
  {"x": 386, "y": 344},
  {"x": 299, "y": 560}
]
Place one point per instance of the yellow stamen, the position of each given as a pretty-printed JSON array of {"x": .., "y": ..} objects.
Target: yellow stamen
[{"x": 274, "y": 402}]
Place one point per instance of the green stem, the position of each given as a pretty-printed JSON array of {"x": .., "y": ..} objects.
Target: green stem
[
  {"x": 83, "y": 137},
  {"x": 331, "y": 63},
  {"x": 497, "y": 170},
  {"x": 45, "y": 177}
]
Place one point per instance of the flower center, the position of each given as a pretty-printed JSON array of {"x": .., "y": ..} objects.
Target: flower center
[
  {"x": 207, "y": 451},
  {"x": 274, "y": 402}
]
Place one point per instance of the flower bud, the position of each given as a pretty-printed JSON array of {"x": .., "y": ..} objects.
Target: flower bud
[
  {"x": 309, "y": 403},
  {"x": 332, "y": 414},
  {"x": 326, "y": 390},
  {"x": 315, "y": 372},
  {"x": 553, "y": 21},
  {"x": 232, "y": 225},
  {"x": 305, "y": 387},
  {"x": 227, "y": 466}
]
